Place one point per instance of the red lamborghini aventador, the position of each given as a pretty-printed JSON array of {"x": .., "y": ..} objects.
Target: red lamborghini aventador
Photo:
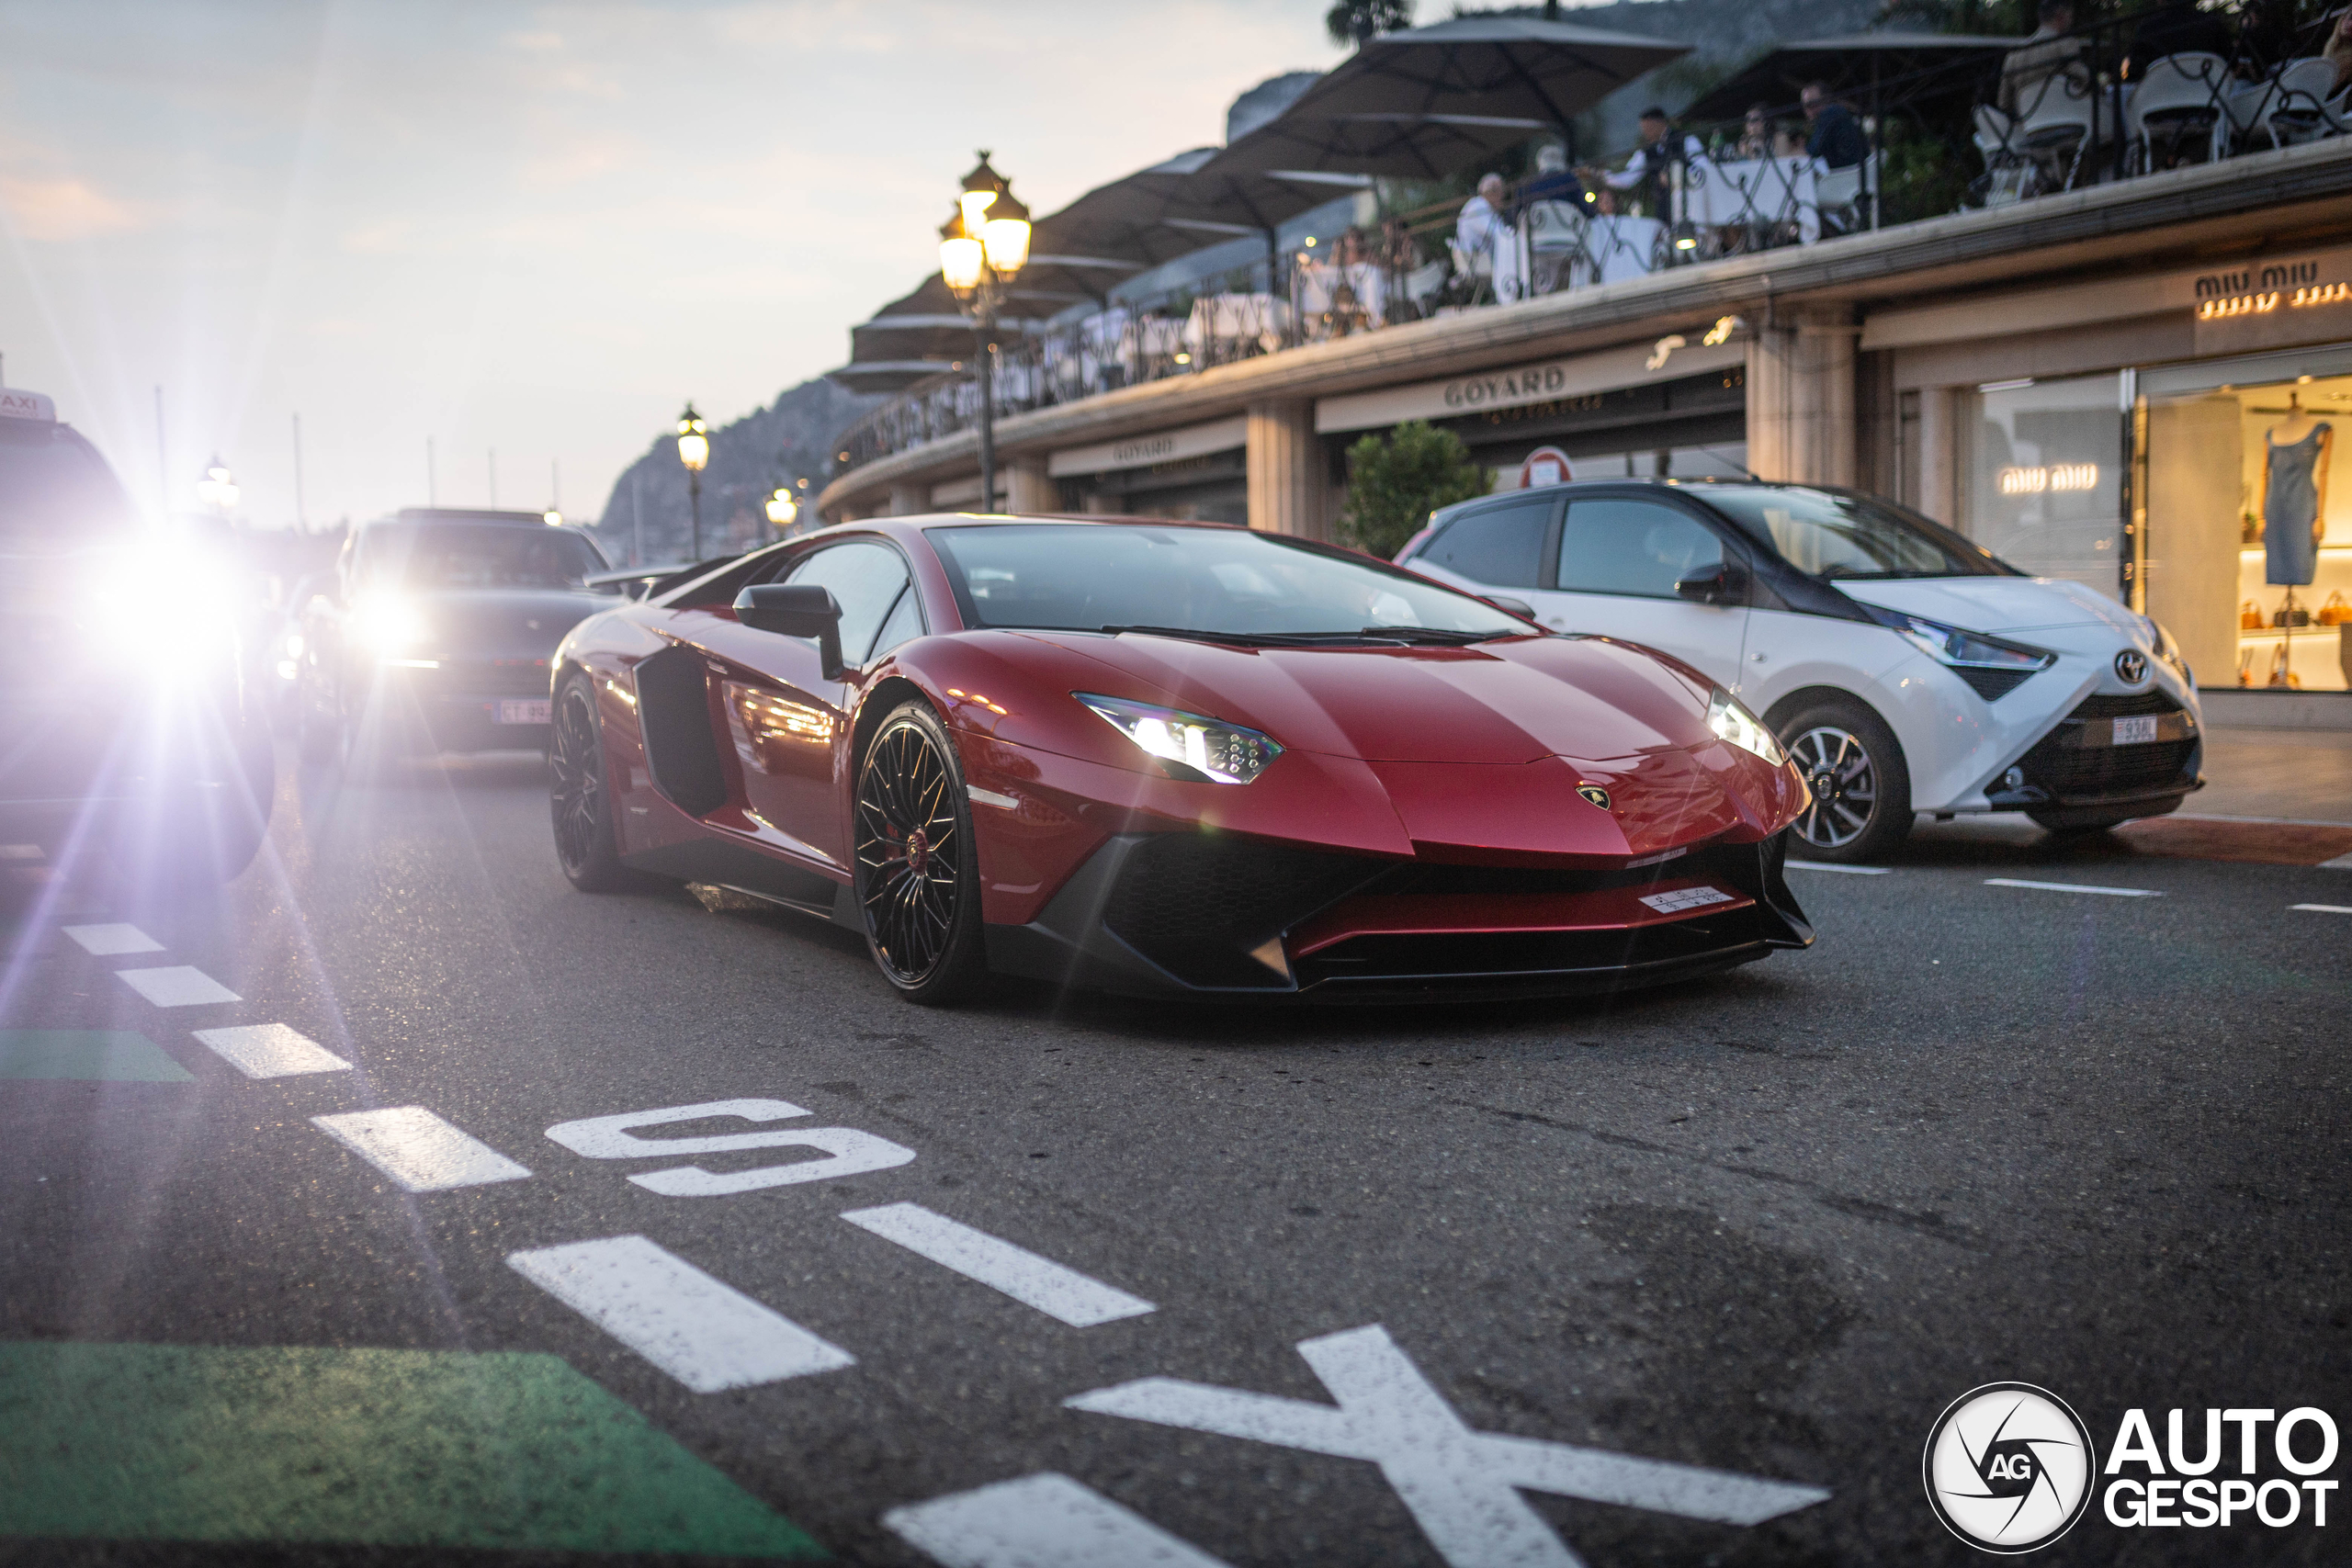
[{"x": 1170, "y": 758}]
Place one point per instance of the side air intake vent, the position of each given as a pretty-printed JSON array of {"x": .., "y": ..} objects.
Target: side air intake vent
[{"x": 673, "y": 708}]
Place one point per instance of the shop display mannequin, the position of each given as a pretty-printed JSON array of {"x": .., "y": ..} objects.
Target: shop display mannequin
[{"x": 2293, "y": 507}]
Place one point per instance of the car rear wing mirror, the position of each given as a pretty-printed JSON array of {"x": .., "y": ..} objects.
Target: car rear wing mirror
[
  {"x": 1727, "y": 584},
  {"x": 796, "y": 609}
]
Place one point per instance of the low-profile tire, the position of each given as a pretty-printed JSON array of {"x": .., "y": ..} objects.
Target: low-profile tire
[
  {"x": 1860, "y": 784},
  {"x": 918, "y": 878},
  {"x": 580, "y": 798}
]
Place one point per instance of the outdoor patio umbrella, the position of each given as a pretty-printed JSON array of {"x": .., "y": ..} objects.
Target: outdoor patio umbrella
[
  {"x": 1426, "y": 101},
  {"x": 922, "y": 335}
]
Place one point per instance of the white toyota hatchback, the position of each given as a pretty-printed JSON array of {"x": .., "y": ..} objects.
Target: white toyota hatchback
[{"x": 1905, "y": 669}]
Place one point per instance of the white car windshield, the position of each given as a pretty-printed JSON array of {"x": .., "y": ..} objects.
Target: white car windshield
[
  {"x": 1211, "y": 582},
  {"x": 1833, "y": 536}
]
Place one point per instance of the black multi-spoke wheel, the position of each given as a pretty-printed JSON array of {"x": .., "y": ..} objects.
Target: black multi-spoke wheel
[
  {"x": 1860, "y": 785},
  {"x": 918, "y": 879},
  {"x": 578, "y": 800}
]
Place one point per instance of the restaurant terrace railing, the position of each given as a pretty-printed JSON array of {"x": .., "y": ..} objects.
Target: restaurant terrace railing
[{"x": 2103, "y": 103}]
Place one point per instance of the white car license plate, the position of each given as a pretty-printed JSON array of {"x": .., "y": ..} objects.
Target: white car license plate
[
  {"x": 2136, "y": 731},
  {"x": 533, "y": 710}
]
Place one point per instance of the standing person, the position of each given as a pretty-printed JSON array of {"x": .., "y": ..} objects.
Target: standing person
[
  {"x": 1837, "y": 138},
  {"x": 1485, "y": 230},
  {"x": 1645, "y": 170},
  {"x": 2045, "y": 54}
]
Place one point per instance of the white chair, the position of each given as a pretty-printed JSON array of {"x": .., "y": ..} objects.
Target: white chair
[
  {"x": 2180, "y": 102},
  {"x": 1843, "y": 194},
  {"x": 2298, "y": 104},
  {"x": 2060, "y": 126}
]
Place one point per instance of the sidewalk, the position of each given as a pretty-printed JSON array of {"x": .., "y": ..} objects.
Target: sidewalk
[{"x": 2293, "y": 776}]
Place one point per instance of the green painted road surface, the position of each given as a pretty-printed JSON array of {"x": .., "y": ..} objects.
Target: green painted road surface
[{"x": 375, "y": 1448}]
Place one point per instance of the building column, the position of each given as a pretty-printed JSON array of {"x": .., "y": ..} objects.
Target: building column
[
  {"x": 906, "y": 500},
  {"x": 1801, "y": 410},
  {"x": 1029, "y": 488},
  {"x": 1288, "y": 493}
]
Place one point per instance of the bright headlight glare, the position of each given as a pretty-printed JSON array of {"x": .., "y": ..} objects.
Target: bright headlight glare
[
  {"x": 157, "y": 607},
  {"x": 1957, "y": 646},
  {"x": 389, "y": 625},
  {"x": 1731, "y": 721},
  {"x": 1194, "y": 747}
]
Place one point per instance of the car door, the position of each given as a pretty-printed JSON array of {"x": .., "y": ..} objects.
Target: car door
[
  {"x": 1614, "y": 571},
  {"x": 787, "y": 723}
]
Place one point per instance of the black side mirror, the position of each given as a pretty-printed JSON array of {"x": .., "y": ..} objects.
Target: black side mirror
[
  {"x": 1727, "y": 584},
  {"x": 796, "y": 609}
]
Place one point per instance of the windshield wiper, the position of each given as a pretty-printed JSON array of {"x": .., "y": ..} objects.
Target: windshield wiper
[
  {"x": 1435, "y": 635},
  {"x": 1201, "y": 634}
]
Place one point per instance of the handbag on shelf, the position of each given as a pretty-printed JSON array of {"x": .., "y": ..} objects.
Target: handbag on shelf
[
  {"x": 2335, "y": 612},
  {"x": 2246, "y": 667},
  {"x": 2250, "y": 616},
  {"x": 2300, "y": 615},
  {"x": 2280, "y": 676}
]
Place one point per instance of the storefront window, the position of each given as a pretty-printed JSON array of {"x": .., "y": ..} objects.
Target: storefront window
[
  {"x": 2045, "y": 480},
  {"x": 2248, "y": 561}
]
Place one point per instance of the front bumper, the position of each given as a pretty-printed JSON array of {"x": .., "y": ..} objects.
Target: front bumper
[
  {"x": 2141, "y": 752},
  {"x": 1217, "y": 918},
  {"x": 471, "y": 706}
]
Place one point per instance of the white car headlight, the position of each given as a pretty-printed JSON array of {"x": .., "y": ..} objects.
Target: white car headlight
[
  {"x": 1192, "y": 747},
  {"x": 389, "y": 625},
  {"x": 1731, "y": 721},
  {"x": 1962, "y": 648}
]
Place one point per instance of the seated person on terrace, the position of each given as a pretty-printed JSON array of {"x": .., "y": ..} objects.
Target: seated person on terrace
[
  {"x": 2044, "y": 55},
  {"x": 1837, "y": 135},
  {"x": 1755, "y": 137}
]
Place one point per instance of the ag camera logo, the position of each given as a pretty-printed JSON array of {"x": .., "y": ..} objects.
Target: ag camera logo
[{"x": 2009, "y": 1467}]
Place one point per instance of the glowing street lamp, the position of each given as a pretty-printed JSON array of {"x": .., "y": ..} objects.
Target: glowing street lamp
[
  {"x": 982, "y": 246},
  {"x": 218, "y": 488},
  {"x": 782, "y": 509},
  {"x": 694, "y": 451}
]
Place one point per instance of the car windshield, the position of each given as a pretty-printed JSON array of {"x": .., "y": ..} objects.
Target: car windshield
[
  {"x": 445, "y": 555},
  {"x": 1833, "y": 536},
  {"x": 1220, "y": 582},
  {"x": 56, "y": 492}
]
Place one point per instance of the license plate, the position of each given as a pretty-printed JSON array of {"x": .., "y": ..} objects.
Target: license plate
[
  {"x": 1685, "y": 898},
  {"x": 2136, "y": 730},
  {"x": 533, "y": 710}
]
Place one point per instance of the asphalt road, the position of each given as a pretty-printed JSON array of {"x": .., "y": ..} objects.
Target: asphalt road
[{"x": 1770, "y": 1224}]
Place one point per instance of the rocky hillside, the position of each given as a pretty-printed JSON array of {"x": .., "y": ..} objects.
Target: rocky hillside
[{"x": 791, "y": 438}]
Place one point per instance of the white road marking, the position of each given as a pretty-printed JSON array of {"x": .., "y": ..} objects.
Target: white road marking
[
  {"x": 1460, "y": 1486},
  {"x": 179, "y": 985},
  {"x": 612, "y": 1137},
  {"x": 2074, "y": 887},
  {"x": 609, "y": 1138},
  {"x": 104, "y": 941},
  {"x": 1054, "y": 1290},
  {"x": 707, "y": 1335},
  {"x": 1039, "y": 1521},
  {"x": 2325, "y": 908},
  {"x": 419, "y": 1150},
  {"x": 2341, "y": 863},
  {"x": 1848, "y": 870},
  {"x": 1003, "y": 802},
  {"x": 270, "y": 1051}
]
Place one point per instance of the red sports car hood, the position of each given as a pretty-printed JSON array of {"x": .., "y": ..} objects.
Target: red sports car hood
[{"x": 1513, "y": 701}]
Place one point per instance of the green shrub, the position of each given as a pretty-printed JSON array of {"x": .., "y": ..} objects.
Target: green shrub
[{"x": 1395, "y": 481}]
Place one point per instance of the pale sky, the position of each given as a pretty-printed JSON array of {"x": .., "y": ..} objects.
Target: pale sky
[{"x": 534, "y": 228}]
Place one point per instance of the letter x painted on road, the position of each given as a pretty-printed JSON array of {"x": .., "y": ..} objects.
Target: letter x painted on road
[{"x": 1462, "y": 1486}]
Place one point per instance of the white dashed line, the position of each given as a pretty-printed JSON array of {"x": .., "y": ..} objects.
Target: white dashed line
[
  {"x": 1039, "y": 1521},
  {"x": 270, "y": 1051},
  {"x": 1848, "y": 870},
  {"x": 2325, "y": 908},
  {"x": 104, "y": 941},
  {"x": 2074, "y": 887},
  {"x": 706, "y": 1333},
  {"x": 2341, "y": 863},
  {"x": 176, "y": 986},
  {"x": 419, "y": 1150},
  {"x": 1057, "y": 1292},
  {"x": 1462, "y": 1487}
]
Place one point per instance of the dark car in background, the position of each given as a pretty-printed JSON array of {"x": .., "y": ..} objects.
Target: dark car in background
[
  {"x": 131, "y": 722},
  {"x": 435, "y": 631}
]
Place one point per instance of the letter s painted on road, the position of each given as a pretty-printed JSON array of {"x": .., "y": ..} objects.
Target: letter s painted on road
[{"x": 848, "y": 1151}]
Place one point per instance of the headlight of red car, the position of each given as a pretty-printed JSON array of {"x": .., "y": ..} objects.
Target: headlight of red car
[
  {"x": 1189, "y": 745},
  {"x": 1729, "y": 719}
]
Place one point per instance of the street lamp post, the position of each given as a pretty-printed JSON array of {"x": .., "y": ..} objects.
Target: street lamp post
[
  {"x": 981, "y": 248},
  {"x": 218, "y": 488},
  {"x": 694, "y": 451}
]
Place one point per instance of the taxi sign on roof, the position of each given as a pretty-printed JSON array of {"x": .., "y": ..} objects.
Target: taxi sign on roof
[{"x": 27, "y": 405}]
